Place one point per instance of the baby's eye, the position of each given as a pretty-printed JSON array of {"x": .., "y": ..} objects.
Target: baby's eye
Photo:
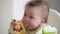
[
  {"x": 24, "y": 14},
  {"x": 31, "y": 17}
]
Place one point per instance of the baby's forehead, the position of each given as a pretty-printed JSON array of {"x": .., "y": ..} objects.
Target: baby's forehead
[
  {"x": 38, "y": 11},
  {"x": 34, "y": 10}
]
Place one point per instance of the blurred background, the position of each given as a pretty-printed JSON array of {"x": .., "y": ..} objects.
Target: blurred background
[{"x": 14, "y": 9}]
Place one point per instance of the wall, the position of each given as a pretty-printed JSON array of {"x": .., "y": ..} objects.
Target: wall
[
  {"x": 55, "y": 4},
  {"x": 5, "y": 15},
  {"x": 18, "y": 8}
]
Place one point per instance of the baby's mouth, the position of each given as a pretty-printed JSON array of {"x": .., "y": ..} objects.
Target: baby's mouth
[{"x": 26, "y": 25}]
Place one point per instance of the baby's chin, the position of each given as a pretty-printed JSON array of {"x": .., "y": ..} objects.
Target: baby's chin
[{"x": 31, "y": 28}]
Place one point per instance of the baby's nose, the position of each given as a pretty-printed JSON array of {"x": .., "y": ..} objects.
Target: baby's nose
[{"x": 27, "y": 19}]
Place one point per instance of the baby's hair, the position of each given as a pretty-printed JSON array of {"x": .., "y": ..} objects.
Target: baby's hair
[{"x": 34, "y": 3}]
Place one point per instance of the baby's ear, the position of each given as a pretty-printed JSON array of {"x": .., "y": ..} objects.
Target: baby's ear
[{"x": 42, "y": 21}]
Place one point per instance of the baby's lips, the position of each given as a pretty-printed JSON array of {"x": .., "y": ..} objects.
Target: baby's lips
[{"x": 27, "y": 25}]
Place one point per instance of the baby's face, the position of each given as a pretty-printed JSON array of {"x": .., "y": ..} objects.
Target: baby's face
[{"x": 32, "y": 17}]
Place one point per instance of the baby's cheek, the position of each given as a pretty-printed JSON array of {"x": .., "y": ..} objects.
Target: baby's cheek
[
  {"x": 34, "y": 23},
  {"x": 24, "y": 20}
]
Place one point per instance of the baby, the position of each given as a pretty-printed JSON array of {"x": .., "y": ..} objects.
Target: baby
[
  {"x": 35, "y": 16},
  {"x": 36, "y": 13}
]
